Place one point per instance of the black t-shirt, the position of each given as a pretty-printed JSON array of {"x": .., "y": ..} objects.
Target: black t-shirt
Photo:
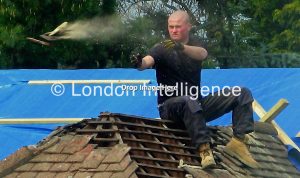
[{"x": 176, "y": 70}]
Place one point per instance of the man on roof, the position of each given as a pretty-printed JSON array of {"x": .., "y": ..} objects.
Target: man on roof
[{"x": 177, "y": 62}]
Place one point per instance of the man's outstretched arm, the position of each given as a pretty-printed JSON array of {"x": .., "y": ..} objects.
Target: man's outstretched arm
[
  {"x": 142, "y": 63},
  {"x": 195, "y": 52},
  {"x": 147, "y": 62}
]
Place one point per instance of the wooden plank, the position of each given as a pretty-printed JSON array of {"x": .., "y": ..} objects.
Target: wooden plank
[
  {"x": 38, "y": 41},
  {"x": 281, "y": 134},
  {"x": 136, "y": 157},
  {"x": 155, "y": 134},
  {"x": 137, "y": 119},
  {"x": 102, "y": 121},
  {"x": 117, "y": 134},
  {"x": 45, "y": 82},
  {"x": 157, "y": 143},
  {"x": 160, "y": 167},
  {"x": 151, "y": 175},
  {"x": 164, "y": 152},
  {"x": 258, "y": 109},
  {"x": 96, "y": 131},
  {"x": 152, "y": 127},
  {"x": 161, "y": 160},
  {"x": 284, "y": 137},
  {"x": 106, "y": 139},
  {"x": 39, "y": 120},
  {"x": 275, "y": 110}
]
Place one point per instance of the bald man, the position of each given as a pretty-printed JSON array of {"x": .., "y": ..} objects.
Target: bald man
[{"x": 178, "y": 67}]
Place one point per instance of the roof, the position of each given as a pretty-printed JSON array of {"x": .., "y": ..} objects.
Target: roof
[{"x": 118, "y": 145}]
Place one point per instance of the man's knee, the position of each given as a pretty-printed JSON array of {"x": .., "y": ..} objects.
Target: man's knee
[
  {"x": 192, "y": 104},
  {"x": 186, "y": 102},
  {"x": 245, "y": 96},
  {"x": 181, "y": 99}
]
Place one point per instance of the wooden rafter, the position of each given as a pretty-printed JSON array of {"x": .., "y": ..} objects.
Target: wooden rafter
[
  {"x": 269, "y": 116},
  {"x": 275, "y": 110}
]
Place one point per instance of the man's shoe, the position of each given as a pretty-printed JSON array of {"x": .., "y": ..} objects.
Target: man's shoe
[
  {"x": 237, "y": 148},
  {"x": 207, "y": 158}
]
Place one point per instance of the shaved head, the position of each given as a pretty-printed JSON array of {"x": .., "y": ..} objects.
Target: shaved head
[
  {"x": 180, "y": 14},
  {"x": 179, "y": 26}
]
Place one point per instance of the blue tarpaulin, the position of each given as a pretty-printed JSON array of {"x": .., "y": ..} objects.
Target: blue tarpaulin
[{"x": 18, "y": 99}]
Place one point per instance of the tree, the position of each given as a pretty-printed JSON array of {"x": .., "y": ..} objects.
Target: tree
[
  {"x": 244, "y": 33},
  {"x": 20, "y": 19},
  {"x": 273, "y": 31},
  {"x": 237, "y": 33},
  {"x": 288, "y": 38}
]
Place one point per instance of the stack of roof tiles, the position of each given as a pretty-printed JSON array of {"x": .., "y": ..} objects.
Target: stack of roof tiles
[{"x": 116, "y": 145}]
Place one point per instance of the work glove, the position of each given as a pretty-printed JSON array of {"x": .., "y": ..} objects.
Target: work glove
[
  {"x": 136, "y": 60},
  {"x": 170, "y": 44}
]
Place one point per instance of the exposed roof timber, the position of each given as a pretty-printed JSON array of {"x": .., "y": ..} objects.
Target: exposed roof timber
[{"x": 274, "y": 111}]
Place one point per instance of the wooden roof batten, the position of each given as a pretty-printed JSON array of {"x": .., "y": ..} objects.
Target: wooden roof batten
[{"x": 270, "y": 116}]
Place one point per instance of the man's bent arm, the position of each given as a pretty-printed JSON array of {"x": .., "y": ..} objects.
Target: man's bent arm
[
  {"x": 147, "y": 62},
  {"x": 195, "y": 52}
]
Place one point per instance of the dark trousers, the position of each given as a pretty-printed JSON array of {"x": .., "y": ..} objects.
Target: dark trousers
[{"x": 194, "y": 114}]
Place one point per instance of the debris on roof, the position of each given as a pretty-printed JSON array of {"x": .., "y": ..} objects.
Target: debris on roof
[{"x": 117, "y": 145}]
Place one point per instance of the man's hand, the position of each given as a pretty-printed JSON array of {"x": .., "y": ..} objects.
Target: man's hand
[
  {"x": 136, "y": 60},
  {"x": 170, "y": 44}
]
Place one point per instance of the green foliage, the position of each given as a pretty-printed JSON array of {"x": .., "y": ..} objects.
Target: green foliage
[
  {"x": 289, "y": 19},
  {"x": 244, "y": 33},
  {"x": 223, "y": 26},
  {"x": 27, "y": 18},
  {"x": 273, "y": 32},
  {"x": 255, "y": 33}
]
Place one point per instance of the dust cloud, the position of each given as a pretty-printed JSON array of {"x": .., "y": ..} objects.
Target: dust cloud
[{"x": 98, "y": 28}]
